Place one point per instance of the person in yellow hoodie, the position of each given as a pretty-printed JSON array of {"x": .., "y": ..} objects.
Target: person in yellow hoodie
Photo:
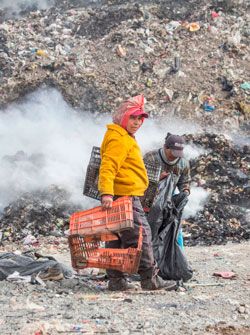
[{"x": 123, "y": 173}]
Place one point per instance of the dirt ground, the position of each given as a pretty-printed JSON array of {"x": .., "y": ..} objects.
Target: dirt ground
[{"x": 210, "y": 305}]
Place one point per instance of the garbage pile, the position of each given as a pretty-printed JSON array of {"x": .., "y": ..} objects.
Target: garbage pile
[
  {"x": 189, "y": 60},
  {"x": 224, "y": 171},
  {"x": 42, "y": 212}
]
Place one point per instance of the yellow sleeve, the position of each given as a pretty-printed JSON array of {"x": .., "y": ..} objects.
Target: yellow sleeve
[{"x": 114, "y": 154}]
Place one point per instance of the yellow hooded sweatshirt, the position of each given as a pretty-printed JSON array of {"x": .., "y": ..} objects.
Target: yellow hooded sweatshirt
[{"x": 122, "y": 171}]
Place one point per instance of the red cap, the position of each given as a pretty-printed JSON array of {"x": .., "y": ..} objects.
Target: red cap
[{"x": 140, "y": 112}]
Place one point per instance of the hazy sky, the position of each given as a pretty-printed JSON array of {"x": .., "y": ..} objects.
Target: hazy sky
[{"x": 54, "y": 144}]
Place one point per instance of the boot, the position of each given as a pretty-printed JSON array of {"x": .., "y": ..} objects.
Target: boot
[
  {"x": 157, "y": 283},
  {"x": 151, "y": 281},
  {"x": 119, "y": 284}
]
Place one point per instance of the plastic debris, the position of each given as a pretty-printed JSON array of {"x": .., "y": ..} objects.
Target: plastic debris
[
  {"x": 225, "y": 274},
  {"x": 172, "y": 26},
  {"x": 83, "y": 63},
  {"x": 208, "y": 105},
  {"x": 177, "y": 64},
  {"x": 169, "y": 94},
  {"x": 149, "y": 82},
  {"x": 245, "y": 86},
  {"x": 25, "y": 218},
  {"x": 214, "y": 15},
  {"x": 226, "y": 84},
  {"x": 218, "y": 166},
  {"x": 194, "y": 26},
  {"x": 41, "y": 53},
  {"x": 29, "y": 239},
  {"x": 244, "y": 108},
  {"x": 121, "y": 52}
]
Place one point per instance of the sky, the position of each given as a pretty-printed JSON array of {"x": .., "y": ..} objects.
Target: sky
[{"x": 45, "y": 141}]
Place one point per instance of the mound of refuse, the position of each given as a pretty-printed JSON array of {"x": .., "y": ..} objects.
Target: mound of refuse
[
  {"x": 190, "y": 61},
  {"x": 42, "y": 212},
  {"x": 189, "y": 58},
  {"x": 224, "y": 172}
]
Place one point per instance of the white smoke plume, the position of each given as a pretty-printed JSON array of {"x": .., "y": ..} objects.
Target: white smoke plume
[
  {"x": 56, "y": 143},
  {"x": 14, "y": 7},
  {"x": 193, "y": 151},
  {"x": 44, "y": 141},
  {"x": 196, "y": 202}
]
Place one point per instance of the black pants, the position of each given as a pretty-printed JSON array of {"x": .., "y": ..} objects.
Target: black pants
[{"x": 129, "y": 238}]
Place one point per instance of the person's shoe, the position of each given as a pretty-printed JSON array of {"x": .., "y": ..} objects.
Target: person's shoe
[
  {"x": 157, "y": 283},
  {"x": 119, "y": 284},
  {"x": 52, "y": 273}
]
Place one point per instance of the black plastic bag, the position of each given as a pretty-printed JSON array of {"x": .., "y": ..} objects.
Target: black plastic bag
[
  {"x": 164, "y": 219},
  {"x": 27, "y": 264}
]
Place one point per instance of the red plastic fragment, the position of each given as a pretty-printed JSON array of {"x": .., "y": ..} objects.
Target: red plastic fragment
[
  {"x": 214, "y": 15},
  {"x": 225, "y": 274}
]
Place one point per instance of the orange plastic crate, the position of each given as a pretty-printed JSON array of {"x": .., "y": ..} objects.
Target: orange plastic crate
[
  {"x": 98, "y": 221},
  {"x": 86, "y": 252}
]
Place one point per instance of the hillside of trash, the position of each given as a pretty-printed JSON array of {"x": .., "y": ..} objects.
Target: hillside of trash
[{"x": 189, "y": 58}]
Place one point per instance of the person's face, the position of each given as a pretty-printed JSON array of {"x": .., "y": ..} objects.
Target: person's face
[
  {"x": 134, "y": 123},
  {"x": 169, "y": 155}
]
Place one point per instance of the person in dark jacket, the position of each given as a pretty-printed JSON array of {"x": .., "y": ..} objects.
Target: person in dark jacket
[{"x": 170, "y": 159}]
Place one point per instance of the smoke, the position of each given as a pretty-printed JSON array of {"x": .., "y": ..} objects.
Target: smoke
[
  {"x": 196, "y": 201},
  {"x": 153, "y": 132},
  {"x": 44, "y": 141},
  {"x": 14, "y": 8},
  {"x": 193, "y": 152}
]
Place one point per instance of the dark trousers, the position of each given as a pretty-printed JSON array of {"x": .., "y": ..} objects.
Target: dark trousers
[{"x": 129, "y": 238}]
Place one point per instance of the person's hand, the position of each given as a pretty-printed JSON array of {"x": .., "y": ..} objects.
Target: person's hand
[
  {"x": 164, "y": 174},
  {"x": 107, "y": 201},
  {"x": 186, "y": 192}
]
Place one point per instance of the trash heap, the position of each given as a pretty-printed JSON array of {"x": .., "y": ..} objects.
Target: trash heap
[
  {"x": 43, "y": 212},
  {"x": 189, "y": 61},
  {"x": 224, "y": 172}
]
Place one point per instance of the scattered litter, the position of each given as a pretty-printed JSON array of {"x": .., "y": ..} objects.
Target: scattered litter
[
  {"x": 41, "y": 53},
  {"x": 225, "y": 274},
  {"x": 169, "y": 94},
  {"x": 203, "y": 285},
  {"x": 194, "y": 26},
  {"x": 121, "y": 52},
  {"x": 226, "y": 84},
  {"x": 208, "y": 107},
  {"x": 29, "y": 239},
  {"x": 149, "y": 82},
  {"x": 214, "y": 15},
  {"x": 245, "y": 86},
  {"x": 37, "y": 213},
  {"x": 217, "y": 167},
  {"x": 81, "y": 45},
  {"x": 176, "y": 67},
  {"x": 26, "y": 267},
  {"x": 172, "y": 26}
]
